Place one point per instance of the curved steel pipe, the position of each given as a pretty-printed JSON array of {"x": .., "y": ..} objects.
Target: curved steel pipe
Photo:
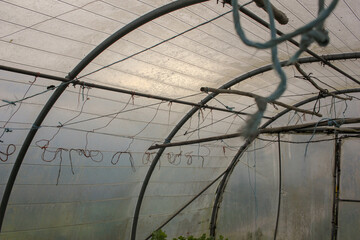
[
  {"x": 71, "y": 76},
  {"x": 236, "y": 159}
]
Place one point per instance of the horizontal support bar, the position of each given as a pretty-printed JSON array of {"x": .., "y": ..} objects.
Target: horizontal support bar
[
  {"x": 328, "y": 130},
  {"x": 333, "y": 122},
  {"x": 255, "y": 96},
  {"x": 119, "y": 90},
  {"x": 32, "y": 73},
  {"x": 209, "y": 139},
  {"x": 349, "y": 200}
]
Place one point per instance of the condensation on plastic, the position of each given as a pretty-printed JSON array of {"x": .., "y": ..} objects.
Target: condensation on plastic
[
  {"x": 349, "y": 212},
  {"x": 349, "y": 220},
  {"x": 306, "y": 195},
  {"x": 350, "y": 169},
  {"x": 177, "y": 181},
  {"x": 249, "y": 205}
]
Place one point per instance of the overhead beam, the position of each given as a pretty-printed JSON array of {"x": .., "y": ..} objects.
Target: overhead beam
[
  {"x": 32, "y": 73},
  {"x": 328, "y": 130},
  {"x": 255, "y": 96},
  {"x": 120, "y": 90},
  {"x": 290, "y": 128},
  {"x": 349, "y": 200}
]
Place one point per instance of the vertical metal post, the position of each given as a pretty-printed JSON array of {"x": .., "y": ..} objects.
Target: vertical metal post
[
  {"x": 336, "y": 188},
  {"x": 279, "y": 193}
]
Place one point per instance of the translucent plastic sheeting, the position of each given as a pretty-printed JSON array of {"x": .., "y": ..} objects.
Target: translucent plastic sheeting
[
  {"x": 349, "y": 212},
  {"x": 99, "y": 157},
  {"x": 53, "y": 36},
  {"x": 184, "y": 172},
  {"x": 307, "y": 189},
  {"x": 350, "y": 170},
  {"x": 93, "y": 202},
  {"x": 349, "y": 221},
  {"x": 249, "y": 208}
]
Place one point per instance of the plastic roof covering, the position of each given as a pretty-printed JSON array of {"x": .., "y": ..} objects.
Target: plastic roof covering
[{"x": 99, "y": 199}]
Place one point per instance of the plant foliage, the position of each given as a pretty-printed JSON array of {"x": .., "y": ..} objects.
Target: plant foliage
[{"x": 161, "y": 235}]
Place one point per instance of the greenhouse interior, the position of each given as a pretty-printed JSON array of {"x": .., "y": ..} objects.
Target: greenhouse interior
[{"x": 187, "y": 119}]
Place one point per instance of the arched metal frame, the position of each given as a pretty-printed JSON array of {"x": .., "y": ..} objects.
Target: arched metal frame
[
  {"x": 97, "y": 51},
  {"x": 71, "y": 76}
]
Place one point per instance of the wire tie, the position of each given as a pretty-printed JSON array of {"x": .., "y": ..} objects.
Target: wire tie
[
  {"x": 275, "y": 106},
  {"x": 37, "y": 75},
  {"x": 133, "y": 98},
  {"x": 83, "y": 87},
  {"x": 60, "y": 125},
  {"x": 334, "y": 123},
  {"x": 9, "y": 102},
  {"x": 8, "y": 130},
  {"x": 51, "y": 87},
  {"x": 75, "y": 81},
  {"x": 230, "y": 108}
]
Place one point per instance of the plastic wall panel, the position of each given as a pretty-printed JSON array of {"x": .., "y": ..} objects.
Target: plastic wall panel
[
  {"x": 350, "y": 170},
  {"x": 306, "y": 196},
  {"x": 176, "y": 182},
  {"x": 83, "y": 231},
  {"x": 249, "y": 205},
  {"x": 349, "y": 221},
  {"x": 307, "y": 189},
  {"x": 349, "y": 212},
  {"x": 196, "y": 221},
  {"x": 193, "y": 220},
  {"x": 14, "y": 119},
  {"x": 96, "y": 200}
]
